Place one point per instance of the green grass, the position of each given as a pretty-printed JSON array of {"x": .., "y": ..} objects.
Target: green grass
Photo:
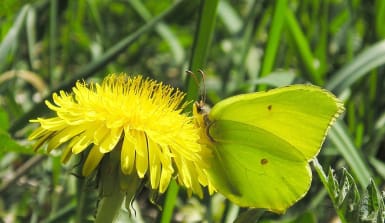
[{"x": 240, "y": 45}]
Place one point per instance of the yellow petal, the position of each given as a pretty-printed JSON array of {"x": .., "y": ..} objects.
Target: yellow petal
[
  {"x": 53, "y": 143},
  {"x": 194, "y": 182},
  {"x": 93, "y": 160},
  {"x": 185, "y": 174},
  {"x": 111, "y": 139},
  {"x": 83, "y": 141},
  {"x": 99, "y": 134},
  {"x": 155, "y": 166},
  {"x": 141, "y": 154},
  {"x": 165, "y": 156},
  {"x": 128, "y": 154},
  {"x": 71, "y": 131},
  {"x": 66, "y": 155},
  {"x": 39, "y": 132},
  {"x": 52, "y": 124},
  {"x": 63, "y": 136},
  {"x": 50, "y": 105},
  {"x": 165, "y": 178},
  {"x": 41, "y": 141}
]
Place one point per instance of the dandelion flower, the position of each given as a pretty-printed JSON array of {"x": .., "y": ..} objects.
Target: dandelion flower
[{"x": 137, "y": 122}]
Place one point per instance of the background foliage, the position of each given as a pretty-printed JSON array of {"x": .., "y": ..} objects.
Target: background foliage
[{"x": 242, "y": 46}]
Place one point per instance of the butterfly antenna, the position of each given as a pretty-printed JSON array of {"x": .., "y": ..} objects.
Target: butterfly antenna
[
  {"x": 204, "y": 85},
  {"x": 203, "y": 97},
  {"x": 189, "y": 72}
]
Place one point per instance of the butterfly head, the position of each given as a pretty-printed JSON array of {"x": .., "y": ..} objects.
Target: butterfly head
[
  {"x": 200, "y": 113},
  {"x": 201, "y": 119}
]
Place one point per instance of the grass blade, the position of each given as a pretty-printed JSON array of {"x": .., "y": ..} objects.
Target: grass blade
[
  {"x": 338, "y": 135},
  {"x": 202, "y": 41},
  {"x": 170, "y": 201},
  {"x": 360, "y": 66},
  {"x": 163, "y": 30},
  {"x": 303, "y": 47},
  {"x": 10, "y": 39},
  {"x": 274, "y": 37}
]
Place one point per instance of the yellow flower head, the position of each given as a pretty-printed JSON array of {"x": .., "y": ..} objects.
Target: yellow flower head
[{"x": 141, "y": 119}]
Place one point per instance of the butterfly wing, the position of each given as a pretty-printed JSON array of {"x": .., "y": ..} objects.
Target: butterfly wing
[
  {"x": 299, "y": 114},
  {"x": 258, "y": 169},
  {"x": 262, "y": 143}
]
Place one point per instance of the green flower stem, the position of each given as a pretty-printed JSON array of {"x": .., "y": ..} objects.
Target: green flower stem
[
  {"x": 80, "y": 201},
  {"x": 112, "y": 196},
  {"x": 109, "y": 207}
]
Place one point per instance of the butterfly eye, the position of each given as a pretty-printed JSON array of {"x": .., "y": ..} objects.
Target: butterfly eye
[{"x": 198, "y": 105}]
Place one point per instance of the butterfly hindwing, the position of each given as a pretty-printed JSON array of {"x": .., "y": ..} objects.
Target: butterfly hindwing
[{"x": 254, "y": 175}]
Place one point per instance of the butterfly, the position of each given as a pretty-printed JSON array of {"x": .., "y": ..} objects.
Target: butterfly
[{"x": 262, "y": 143}]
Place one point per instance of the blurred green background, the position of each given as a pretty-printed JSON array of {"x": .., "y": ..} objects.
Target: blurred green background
[{"x": 242, "y": 45}]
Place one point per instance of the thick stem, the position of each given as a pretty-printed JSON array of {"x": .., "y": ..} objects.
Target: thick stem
[{"x": 109, "y": 207}]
